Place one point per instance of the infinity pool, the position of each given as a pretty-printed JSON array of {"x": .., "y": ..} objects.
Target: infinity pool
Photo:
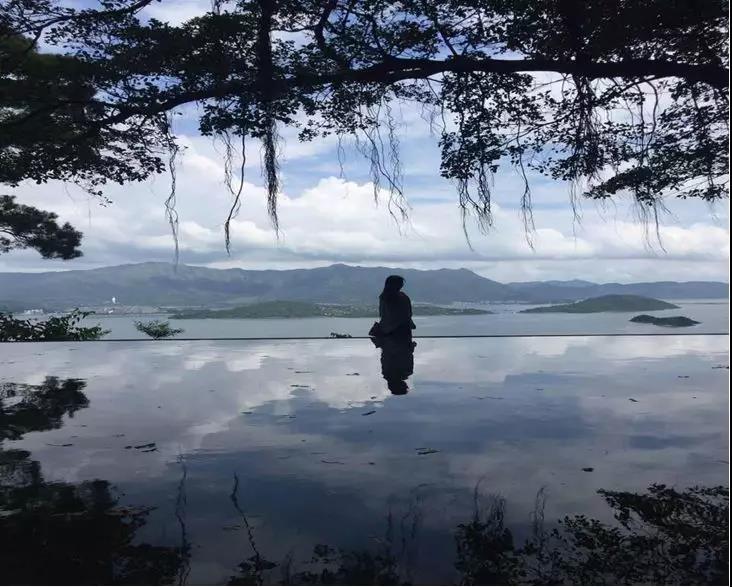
[{"x": 293, "y": 462}]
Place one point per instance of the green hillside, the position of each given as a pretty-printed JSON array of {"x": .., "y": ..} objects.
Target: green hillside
[
  {"x": 283, "y": 309},
  {"x": 609, "y": 303},
  {"x": 163, "y": 284},
  {"x": 669, "y": 321}
]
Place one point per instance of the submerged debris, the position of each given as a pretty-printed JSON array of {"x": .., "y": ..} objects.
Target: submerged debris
[
  {"x": 148, "y": 445},
  {"x": 426, "y": 451}
]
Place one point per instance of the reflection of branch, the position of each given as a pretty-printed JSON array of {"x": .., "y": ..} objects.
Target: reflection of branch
[
  {"x": 258, "y": 560},
  {"x": 409, "y": 535},
  {"x": 180, "y": 514}
]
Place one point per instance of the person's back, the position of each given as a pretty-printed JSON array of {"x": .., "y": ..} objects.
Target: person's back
[{"x": 395, "y": 309}]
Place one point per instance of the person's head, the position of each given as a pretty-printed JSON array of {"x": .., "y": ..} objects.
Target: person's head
[{"x": 393, "y": 285}]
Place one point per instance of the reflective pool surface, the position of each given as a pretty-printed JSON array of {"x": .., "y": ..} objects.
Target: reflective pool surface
[{"x": 293, "y": 461}]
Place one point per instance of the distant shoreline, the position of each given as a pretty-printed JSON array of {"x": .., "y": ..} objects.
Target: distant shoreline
[{"x": 284, "y": 309}]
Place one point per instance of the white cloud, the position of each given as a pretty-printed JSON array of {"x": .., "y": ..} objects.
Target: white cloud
[
  {"x": 334, "y": 220},
  {"x": 178, "y": 12}
]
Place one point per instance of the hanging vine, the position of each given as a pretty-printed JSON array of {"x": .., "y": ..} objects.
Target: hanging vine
[{"x": 630, "y": 110}]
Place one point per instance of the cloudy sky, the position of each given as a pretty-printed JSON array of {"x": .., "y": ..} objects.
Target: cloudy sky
[{"x": 327, "y": 216}]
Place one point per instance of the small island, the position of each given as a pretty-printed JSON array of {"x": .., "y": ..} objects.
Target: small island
[
  {"x": 669, "y": 321},
  {"x": 608, "y": 303},
  {"x": 284, "y": 309}
]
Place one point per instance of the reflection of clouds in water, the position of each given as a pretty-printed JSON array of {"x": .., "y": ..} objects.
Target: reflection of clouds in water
[
  {"x": 492, "y": 360},
  {"x": 484, "y": 359},
  {"x": 273, "y": 412},
  {"x": 657, "y": 347},
  {"x": 202, "y": 388},
  {"x": 276, "y": 371}
]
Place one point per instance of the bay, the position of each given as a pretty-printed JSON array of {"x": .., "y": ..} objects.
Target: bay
[{"x": 713, "y": 316}]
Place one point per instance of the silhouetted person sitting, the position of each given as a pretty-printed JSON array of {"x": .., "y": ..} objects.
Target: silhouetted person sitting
[
  {"x": 395, "y": 310},
  {"x": 393, "y": 335}
]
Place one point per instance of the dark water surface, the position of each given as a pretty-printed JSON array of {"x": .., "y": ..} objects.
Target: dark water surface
[{"x": 172, "y": 462}]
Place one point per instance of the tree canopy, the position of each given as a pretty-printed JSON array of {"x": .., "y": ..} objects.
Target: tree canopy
[
  {"x": 26, "y": 227},
  {"x": 615, "y": 97}
]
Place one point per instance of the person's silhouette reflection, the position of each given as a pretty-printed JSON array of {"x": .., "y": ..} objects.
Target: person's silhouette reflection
[{"x": 397, "y": 363}]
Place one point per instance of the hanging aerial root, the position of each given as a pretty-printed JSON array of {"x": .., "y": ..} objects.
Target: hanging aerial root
[
  {"x": 383, "y": 156},
  {"x": 171, "y": 213},
  {"x": 527, "y": 211},
  {"x": 271, "y": 169},
  {"x": 229, "y": 182}
]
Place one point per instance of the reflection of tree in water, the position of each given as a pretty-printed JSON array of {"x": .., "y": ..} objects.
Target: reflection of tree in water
[
  {"x": 56, "y": 532},
  {"x": 388, "y": 564},
  {"x": 34, "y": 408},
  {"x": 328, "y": 566},
  {"x": 663, "y": 536}
]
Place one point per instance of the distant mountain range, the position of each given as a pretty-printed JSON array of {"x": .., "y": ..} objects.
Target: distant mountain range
[{"x": 162, "y": 284}]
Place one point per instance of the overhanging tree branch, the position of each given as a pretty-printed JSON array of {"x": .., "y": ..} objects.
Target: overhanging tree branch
[
  {"x": 352, "y": 60},
  {"x": 397, "y": 69}
]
